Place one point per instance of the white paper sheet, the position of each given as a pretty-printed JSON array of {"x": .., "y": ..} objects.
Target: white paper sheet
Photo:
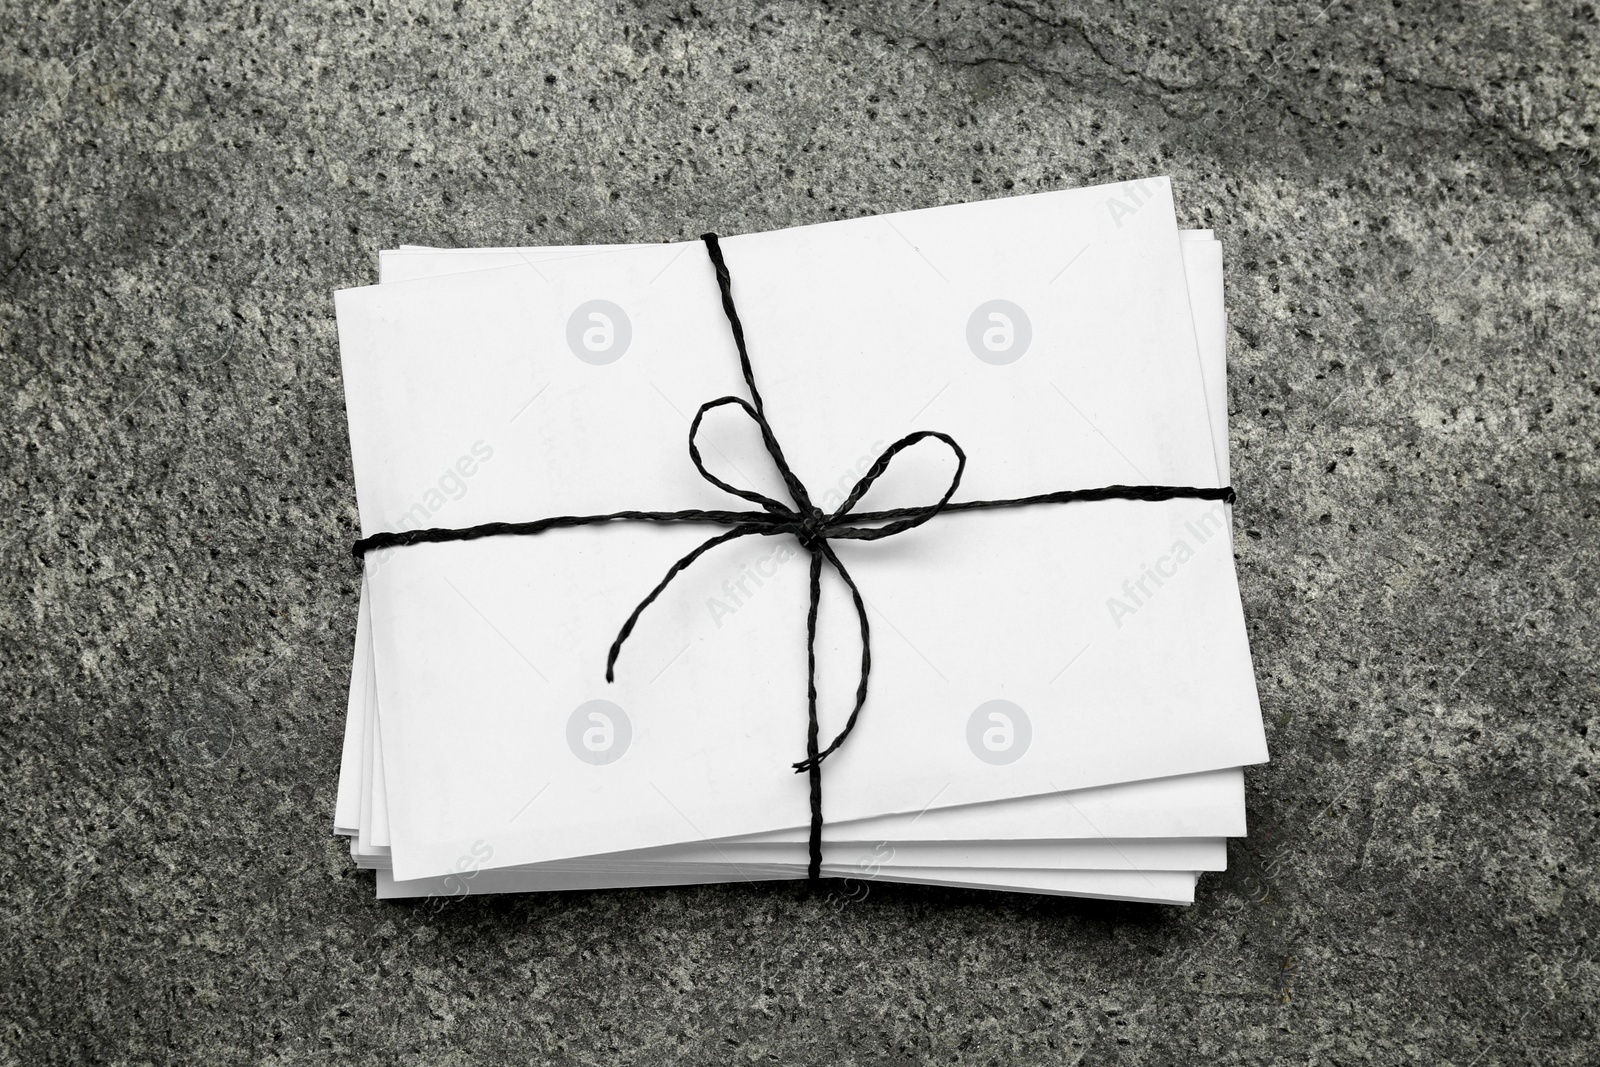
[{"x": 1223, "y": 453}]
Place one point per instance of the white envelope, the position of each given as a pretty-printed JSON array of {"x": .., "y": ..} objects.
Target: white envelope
[
  {"x": 1207, "y": 278},
  {"x": 877, "y": 559},
  {"x": 1201, "y": 805},
  {"x": 962, "y": 843}
]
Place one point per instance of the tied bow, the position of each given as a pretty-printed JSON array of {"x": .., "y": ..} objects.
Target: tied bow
[{"x": 813, "y": 529}]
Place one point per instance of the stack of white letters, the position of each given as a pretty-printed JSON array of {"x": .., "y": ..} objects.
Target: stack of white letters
[{"x": 1061, "y": 695}]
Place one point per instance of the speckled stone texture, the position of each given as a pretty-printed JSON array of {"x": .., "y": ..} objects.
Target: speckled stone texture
[{"x": 1407, "y": 192}]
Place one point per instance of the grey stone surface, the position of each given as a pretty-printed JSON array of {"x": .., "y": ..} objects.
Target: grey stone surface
[{"x": 1407, "y": 191}]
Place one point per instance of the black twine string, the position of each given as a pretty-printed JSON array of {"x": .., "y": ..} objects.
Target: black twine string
[{"x": 804, "y": 521}]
